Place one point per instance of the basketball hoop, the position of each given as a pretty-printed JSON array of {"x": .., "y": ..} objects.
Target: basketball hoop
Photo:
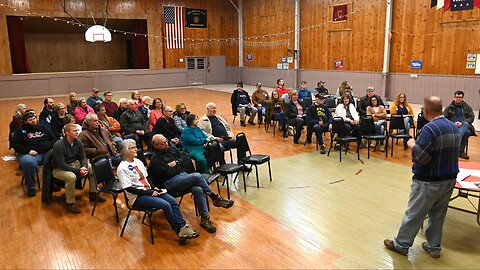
[{"x": 98, "y": 33}]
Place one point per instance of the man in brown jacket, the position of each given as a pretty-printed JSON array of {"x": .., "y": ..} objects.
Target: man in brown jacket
[
  {"x": 96, "y": 140},
  {"x": 259, "y": 100}
]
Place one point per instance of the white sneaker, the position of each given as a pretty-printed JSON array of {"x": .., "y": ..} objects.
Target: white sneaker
[{"x": 188, "y": 232}]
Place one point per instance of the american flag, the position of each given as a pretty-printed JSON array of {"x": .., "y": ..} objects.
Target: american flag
[{"x": 174, "y": 22}]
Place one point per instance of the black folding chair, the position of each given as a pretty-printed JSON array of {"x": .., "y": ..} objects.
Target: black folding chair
[
  {"x": 421, "y": 121},
  {"x": 342, "y": 137},
  {"x": 147, "y": 212},
  {"x": 244, "y": 156},
  {"x": 397, "y": 130},
  {"x": 217, "y": 162},
  {"x": 103, "y": 172},
  {"x": 370, "y": 134},
  {"x": 38, "y": 178}
]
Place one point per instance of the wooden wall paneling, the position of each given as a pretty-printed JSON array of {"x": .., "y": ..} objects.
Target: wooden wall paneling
[
  {"x": 155, "y": 44},
  {"x": 5, "y": 60}
]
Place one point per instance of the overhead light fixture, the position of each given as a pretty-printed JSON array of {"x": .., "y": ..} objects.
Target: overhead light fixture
[{"x": 98, "y": 33}]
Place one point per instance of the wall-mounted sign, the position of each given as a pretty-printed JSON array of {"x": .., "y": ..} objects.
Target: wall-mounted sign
[
  {"x": 416, "y": 64},
  {"x": 285, "y": 65},
  {"x": 470, "y": 65},
  {"x": 289, "y": 59},
  {"x": 249, "y": 57},
  {"x": 284, "y": 60},
  {"x": 338, "y": 63},
  {"x": 477, "y": 65},
  {"x": 340, "y": 13},
  {"x": 279, "y": 66},
  {"x": 471, "y": 57},
  {"x": 196, "y": 18}
]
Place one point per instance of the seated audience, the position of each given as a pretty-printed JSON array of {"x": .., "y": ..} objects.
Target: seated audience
[
  {"x": 179, "y": 116},
  {"x": 259, "y": 99},
  {"x": 72, "y": 103},
  {"x": 193, "y": 142},
  {"x": 217, "y": 128},
  {"x": 16, "y": 122},
  {"x": 59, "y": 120},
  {"x": 110, "y": 106},
  {"x": 379, "y": 115},
  {"x": 363, "y": 102},
  {"x": 97, "y": 140},
  {"x": 94, "y": 99},
  {"x": 275, "y": 110},
  {"x": 242, "y": 103},
  {"x": 156, "y": 112},
  {"x": 295, "y": 112},
  {"x": 109, "y": 123},
  {"x": 31, "y": 142},
  {"x": 286, "y": 97},
  {"x": 132, "y": 122},
  {"x": 133, "y": 176},
  {"x": 172, "y": 169},
  {"x": 166, "y": 126},
  {"x": 70, "y": 162},
  {"x": 70, "y": 119},
  {"x": 319, "y": 120},
  {"x": 347, "y": 111},
  {"x": 344, "y": 86},
  {"x": 121, "y": 109},
  {"x": 303, "y": 91},
  {"x": 320, "y": 89},
  {"x": 48, "y": 113},
  {"x": 462, "y": 115},
  {"x": 145, "y": 107},
  {"x": 82, "y": 110},
  {"x": 401, "y": 107},
  {"x": 136, "y": 99},
  {"x": 281, "y": 87}
]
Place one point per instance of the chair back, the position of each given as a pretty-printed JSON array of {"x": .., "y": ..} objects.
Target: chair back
[
  {"x": 338, "y": 126},
  {"x": 242, "y": 146},
  {"x": 396, "y": 122},
  {"x": 421, "y": 121},
  {"x": 331, "y": 104},
  {"x": 102, "y": 170},
  {"x": 127, "y": 201},
  {"x": 368, "y": 126},
  {"x": 215, "y": 154},
  {"x": 307, "y": 102}
]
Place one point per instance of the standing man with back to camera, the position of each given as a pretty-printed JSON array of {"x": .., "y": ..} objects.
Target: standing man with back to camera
[{"x": 435, "y": 168}]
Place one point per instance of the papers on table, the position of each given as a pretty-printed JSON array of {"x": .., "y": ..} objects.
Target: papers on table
[{"x": 463, "y": 174}]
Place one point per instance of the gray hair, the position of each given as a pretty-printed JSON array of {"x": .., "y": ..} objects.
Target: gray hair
[
  {"x": 88, "y": 118},
  {"x": 123, "y": 149},
  {"x": 370, "y": 88},
  {"x": 146, "y": 98}
]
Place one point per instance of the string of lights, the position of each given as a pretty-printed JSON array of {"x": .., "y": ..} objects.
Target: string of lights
[{"x": 230, "y": 41}]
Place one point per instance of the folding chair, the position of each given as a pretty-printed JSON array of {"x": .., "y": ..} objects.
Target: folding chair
[
  {"x": 370, "y": 134},
  {"x": 398, "y": 125},
  {"x": 244, "y": 156},
  {"x": 340, "y": 135},
  {"x": 103, "y": 173}
]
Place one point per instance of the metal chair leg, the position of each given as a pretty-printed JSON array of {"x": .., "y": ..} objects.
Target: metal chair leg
[
  {"x": 125, "y": 223},
  {"x": 269, "y": 171}
]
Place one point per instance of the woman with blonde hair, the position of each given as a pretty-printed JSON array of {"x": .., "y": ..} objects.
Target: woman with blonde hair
[
  {"x": 180, "y": 116},
  {"x": 16, "y": 121},
  {"x": 401, "y": 107}
]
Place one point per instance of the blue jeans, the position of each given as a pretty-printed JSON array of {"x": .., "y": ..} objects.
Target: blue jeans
[
  {"x": 426, "y": 198},
  {"x": 281, "y": 120},
  {"x": 195, "y": 183},
  {"x": 29, "y": 166},
  {"x": 465, "y": 133},
  {"x": 168, "y": 204},
  {"x": 318, "y": 129},
  {"x": 380, "y": 127}
]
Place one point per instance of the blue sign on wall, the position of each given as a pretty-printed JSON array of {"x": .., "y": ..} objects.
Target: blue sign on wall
[
  {"x": 284, "y": 59},
  {"x": 416, "y": 64},
  {"x": 249, "y": 57}
]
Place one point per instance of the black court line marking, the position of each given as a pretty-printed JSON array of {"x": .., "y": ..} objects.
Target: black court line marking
[
  {"x": 358, "y": 172},
  {"x": 338, "y": 181}
]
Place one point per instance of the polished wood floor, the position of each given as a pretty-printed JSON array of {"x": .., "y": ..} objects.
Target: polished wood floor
[{"x": 317, "y": 213}]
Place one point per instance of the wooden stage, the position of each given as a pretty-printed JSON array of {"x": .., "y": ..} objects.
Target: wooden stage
[{"x": 317, "y": 213}]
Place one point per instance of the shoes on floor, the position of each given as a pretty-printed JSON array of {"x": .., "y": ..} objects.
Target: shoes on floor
[
  {"x": 207, "y": 225},
  {"x": 222, "y": 202},
  {"x": 295, "y": 141},
  {"x": 242, "y": 123},
  {"x": 92, "y": 196},
  {"x": 464, "y": 156},
  {"x": 72, "y": 208},
  {"x": 382, "y": 148},
  {"x": 187, "y": 232},
  {"x": 389, "y": 245},
  {"x": 322, "y": 149},
  {"x": 433, "y": 253}
]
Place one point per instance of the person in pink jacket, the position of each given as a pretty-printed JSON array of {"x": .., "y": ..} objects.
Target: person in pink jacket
[{"x": 82, "y": 110}]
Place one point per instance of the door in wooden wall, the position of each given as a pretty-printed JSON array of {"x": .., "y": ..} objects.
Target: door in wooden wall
[{"x": 196, "y": 70}]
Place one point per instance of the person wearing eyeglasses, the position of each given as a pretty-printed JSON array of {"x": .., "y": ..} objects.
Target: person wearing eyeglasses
[
  {"x": 462, "y": 115},
  {"x": 110, "y": 105},
  {"x": 166, "y": 126},
  {"x": 180, "y": 116},
  {"x": 31, "y": 142}
]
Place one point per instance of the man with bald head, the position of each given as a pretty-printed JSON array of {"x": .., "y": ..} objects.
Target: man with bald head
[
  {"x": 172, "y": 169},
  {"x": 435, "y": 168},
  {"x": 132, "y": 122},
  {"x": 166, "y": 126},
  {"x": 217, "y": 128}
]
